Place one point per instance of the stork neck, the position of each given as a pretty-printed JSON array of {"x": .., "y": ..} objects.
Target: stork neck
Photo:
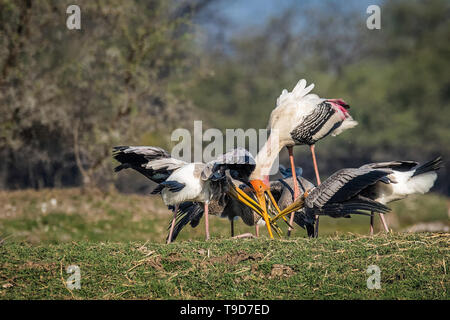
[{"x": 266, "y": 157}]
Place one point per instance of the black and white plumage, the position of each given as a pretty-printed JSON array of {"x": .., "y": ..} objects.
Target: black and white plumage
[
  {"x": 138, "y": 157},
  {"x": 303, "y": 118},
  {"x": 323, "y": 120},
  {"x": 230, "y": 208},
  {"x": 407, "y": 178},
  {"x": 227, "y": 207},
  {"x": 179, "y": 181},
  {"x": 338, "y": 196},
  {"x": 367, "y": 188}
]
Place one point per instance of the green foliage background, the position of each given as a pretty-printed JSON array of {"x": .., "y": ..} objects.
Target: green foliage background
[{"x": 137, "y": 70}]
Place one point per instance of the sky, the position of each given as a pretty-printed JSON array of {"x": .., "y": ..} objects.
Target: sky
[{"x": 244, "y": 14}]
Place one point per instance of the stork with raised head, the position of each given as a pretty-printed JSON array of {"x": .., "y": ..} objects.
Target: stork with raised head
[
  {"x": 179, "y": 181},
  {"x": 407, "y": 177},
  {"x": 303, "y": 118}
]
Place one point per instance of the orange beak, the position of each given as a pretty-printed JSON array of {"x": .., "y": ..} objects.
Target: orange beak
[{"x": 260, "y": 188}]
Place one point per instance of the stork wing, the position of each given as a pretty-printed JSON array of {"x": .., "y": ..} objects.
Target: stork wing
[
  {"x": 188, "y": 212},
  {"x": 153, "y": 162},
  {"x": 239, "y": 161},
  {"x": 343, "y": 185},
  {"x": 357, "y": 205},
  {"x": 395, "y": 165}
]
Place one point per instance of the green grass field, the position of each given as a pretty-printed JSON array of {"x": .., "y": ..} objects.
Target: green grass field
[{"x": 117, "y": 241}]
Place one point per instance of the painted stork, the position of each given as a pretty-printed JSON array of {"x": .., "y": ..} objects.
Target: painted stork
[
  {"x": 341, "y": 195},
  {"x": 283, "y": 192},
  {"x": 407, "y": 177},
  {"x": 302, "y": 118},
  {"x": 180, "y": 182},
  {"x": 192, "y": 212}
]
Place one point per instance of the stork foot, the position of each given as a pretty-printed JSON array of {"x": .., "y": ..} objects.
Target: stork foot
[{"x": 244, "y": 236}]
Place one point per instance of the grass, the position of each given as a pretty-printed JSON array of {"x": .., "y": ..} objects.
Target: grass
[
  {"x": 413, "y": 266},
  {"x": 117, "y": 240}
]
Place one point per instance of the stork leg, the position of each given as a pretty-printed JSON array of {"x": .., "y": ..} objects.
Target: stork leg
[
  {"x": 316, "y": 170},
  {"x": 296, "y": 188},
  {"x": 257, "y": 230},
  {"x": 169, "y": 239},
  {"x": 232, "y": 227},
  {"x": 206, "y": 221},
  {"x": 384, "y": 223},
  {"x": 371, "y": 223}
]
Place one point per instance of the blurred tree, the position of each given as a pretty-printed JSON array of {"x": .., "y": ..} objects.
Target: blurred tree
[
  {"x": 137, "y": 69},
  {"x": 396, "y": 79},
  {"x": 68, "y": 96}
]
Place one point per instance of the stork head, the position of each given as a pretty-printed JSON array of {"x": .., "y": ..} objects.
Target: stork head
[
  {"x": 259, "y": 186},
  {"x": 259, "y": 189},
  {"x": 340, "y": 104}
]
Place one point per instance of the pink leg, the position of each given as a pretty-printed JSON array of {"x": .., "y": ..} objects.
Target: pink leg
[
  {"x": 316, "y": 170},
  {"x": 206, "y": 221},
  {"x": 169, "y": 239},
  {"x": 371, "y": 223},
  {"x": 384, "y": 223},
  {"x": 296, "y": 188},
  {"x": 257, "y": 230}
]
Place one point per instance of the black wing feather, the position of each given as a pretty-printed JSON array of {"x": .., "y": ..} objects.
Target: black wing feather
[
  {"x": 172, "y": 185},
  {"x": 188, "y": 212},
  {"x": 343, "y": 185}
]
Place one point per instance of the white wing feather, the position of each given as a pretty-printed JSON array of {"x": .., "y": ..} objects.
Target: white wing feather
[{"x": 300, "y": 90}]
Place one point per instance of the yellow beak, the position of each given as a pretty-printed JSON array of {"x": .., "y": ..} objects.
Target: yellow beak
[
  {"x": 298, "y": 204},
  {"x": 262, "y": 203},
  {"x": 240, "y": 195},
  {"x": 260, "y": 208}
]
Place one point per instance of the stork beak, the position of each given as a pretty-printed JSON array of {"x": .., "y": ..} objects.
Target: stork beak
[
  {"x": 298, "y": 204},
  {"x": 259, "y": 207},
  {"x": 260, "y": 189},
  {"x": 240, "y": 195}
]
